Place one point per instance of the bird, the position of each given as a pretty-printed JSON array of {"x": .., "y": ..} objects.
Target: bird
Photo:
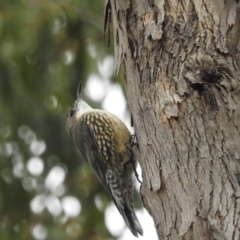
[{"x": 104, "y": 142}]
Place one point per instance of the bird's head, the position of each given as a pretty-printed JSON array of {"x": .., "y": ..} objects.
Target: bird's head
[{"x": 76, "y": 110}]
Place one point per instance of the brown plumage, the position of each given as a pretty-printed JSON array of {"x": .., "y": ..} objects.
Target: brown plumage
[{"x": 103, "y": 141}]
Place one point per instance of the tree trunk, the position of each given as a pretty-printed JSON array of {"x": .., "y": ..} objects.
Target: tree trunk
[{"x": 181, "y": 60}]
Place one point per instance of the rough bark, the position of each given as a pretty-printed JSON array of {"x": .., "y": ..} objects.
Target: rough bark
[{"x": 181, "y": 60}]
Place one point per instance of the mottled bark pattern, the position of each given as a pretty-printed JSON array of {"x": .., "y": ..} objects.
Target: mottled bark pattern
[{"x": 182, "y": 65}]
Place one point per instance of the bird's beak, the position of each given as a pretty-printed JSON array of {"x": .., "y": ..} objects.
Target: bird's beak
[{"x": 79, "y": 91}]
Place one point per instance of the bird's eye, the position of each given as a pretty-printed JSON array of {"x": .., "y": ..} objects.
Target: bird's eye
[{"x": 71, "y": 113}]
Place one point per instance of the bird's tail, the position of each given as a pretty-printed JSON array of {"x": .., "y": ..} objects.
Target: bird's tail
[
  {"x": 132, "y": 222},
  {"x": 124, "y": 201}
]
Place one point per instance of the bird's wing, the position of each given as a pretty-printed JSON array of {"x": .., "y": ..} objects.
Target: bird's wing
[{"x": 87, "y": 143}]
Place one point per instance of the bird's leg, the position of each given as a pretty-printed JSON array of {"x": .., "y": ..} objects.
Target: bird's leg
[{"x": 133, "y": 140}]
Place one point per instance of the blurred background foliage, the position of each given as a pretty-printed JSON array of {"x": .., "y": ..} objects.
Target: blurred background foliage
[{"x": 46, "y": 48}]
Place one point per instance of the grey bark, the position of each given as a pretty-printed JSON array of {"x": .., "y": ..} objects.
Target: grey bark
[{"x": 182, "y": 64}]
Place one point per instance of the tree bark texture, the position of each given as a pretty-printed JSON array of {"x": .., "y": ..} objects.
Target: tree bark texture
[{"x": 182, "y": 64}]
